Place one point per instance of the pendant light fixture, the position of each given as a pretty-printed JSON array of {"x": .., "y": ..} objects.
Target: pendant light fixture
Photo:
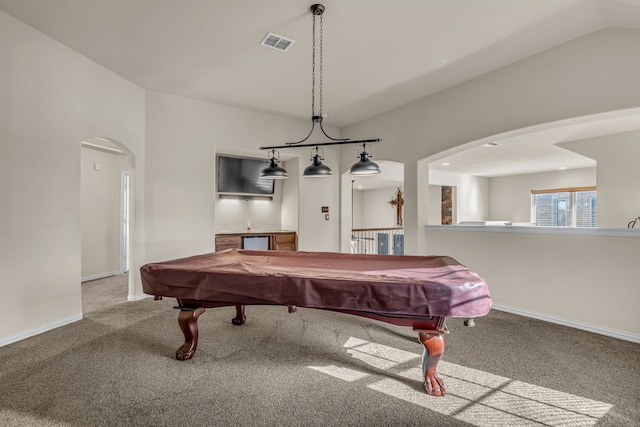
[
  {"x": 274, "y": 171},
  {"x": 363, "y": 167},
  {"x": 317, "y": 169}
]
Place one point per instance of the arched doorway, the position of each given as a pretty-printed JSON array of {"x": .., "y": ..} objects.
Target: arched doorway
[
  {"x": 107, "y": 170},
  {"x": 366, "y": 208}
]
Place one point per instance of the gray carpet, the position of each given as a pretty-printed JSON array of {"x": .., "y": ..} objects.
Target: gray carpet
[{"x": 312, "y": 368}]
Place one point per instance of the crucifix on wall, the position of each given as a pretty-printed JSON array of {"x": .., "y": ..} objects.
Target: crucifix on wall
[{"x": 397, "y": 203}]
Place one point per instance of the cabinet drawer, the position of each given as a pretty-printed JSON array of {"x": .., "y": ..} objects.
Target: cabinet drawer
[
  {"x": 285, "y": 238},
  {"x": 285, "y": 247},
  {"x": 226, "y": 240},
  {"x": 286, "y": 241}
]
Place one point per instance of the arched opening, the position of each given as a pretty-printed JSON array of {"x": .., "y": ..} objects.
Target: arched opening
[
  {"x": 495, "y": 176},
  {"x": 371, "y": 222},
  {"x": 107, "y": 174}
]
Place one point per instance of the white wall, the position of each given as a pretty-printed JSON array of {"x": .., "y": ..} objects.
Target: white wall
[
  {"x": 471, "y": 193},
  {"x": 182, "y": 138},
  {"x": 237, "y": 215},
  {"x": 510, "y": 196},
  {"x": 290, "y": 197},
  {"x": 376, "y": 212},
  {"x": 51, "y": 98},
  {"x": 316, "y": 233},
  {"x": 101, "y": 211},
  {"x": 618, "y": 178},
  {"x": 358, "y": 210},
  {"x": 589, "y": 282},
  {"x": 571, "y": 80},
  {"x": 434, "y": 209}
]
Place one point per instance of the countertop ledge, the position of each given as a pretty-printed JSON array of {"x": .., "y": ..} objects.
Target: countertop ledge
[
  {"x": 235, "y": 233},
  {"x": 568, "y": 231}
]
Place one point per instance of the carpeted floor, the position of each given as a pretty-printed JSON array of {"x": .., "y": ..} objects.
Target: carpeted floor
[{"x": 312, "y": 368}]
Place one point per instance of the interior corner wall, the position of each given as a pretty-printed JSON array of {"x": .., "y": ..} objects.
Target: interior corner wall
[
  {"x": 317, "y": 233},
  {"x": 375, "y": 202},
  {"x": 435, "y": 205},
  {"x": 51, "y": 98},
  {"x": 471, "y": 194},
  {"x": 510, "y": 196},
  {"x": 358, "y": 208},
  {"x": 571, "y": 80},
  {"x": 100, "y": 200},
  {"x": 183, "y": 136},
  {"x": 618, "y": 175},
  {"x": 290, "y": 197}
]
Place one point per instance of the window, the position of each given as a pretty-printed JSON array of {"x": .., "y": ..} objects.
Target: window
[{"x": 564, "y": 207}]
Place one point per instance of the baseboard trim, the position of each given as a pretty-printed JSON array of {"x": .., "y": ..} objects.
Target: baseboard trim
[
  {"x": 99, "y": 276},
  {"x": 40, "y": 329},
  {"x": 614, "y": 333},
  {"x": 138, "y": 297}
]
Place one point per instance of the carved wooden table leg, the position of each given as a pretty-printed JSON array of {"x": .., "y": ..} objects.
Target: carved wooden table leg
[
  {"x": 188, "y": 321},
  {"x": 240, "y": 317},
  {"x": 433, "y": 343}
]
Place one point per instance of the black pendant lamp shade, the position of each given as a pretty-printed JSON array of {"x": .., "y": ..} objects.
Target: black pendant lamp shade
[
  {"x": 364, "y": 166},
  {"x": 317, "y": 169},
  {"x": 274, "y": 171}
]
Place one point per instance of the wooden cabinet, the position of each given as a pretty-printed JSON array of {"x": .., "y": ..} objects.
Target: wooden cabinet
[
  {"x": 227, "y": 241},
  {"x": 278, "y": 240},
  {"x": 284, "y": 242}
]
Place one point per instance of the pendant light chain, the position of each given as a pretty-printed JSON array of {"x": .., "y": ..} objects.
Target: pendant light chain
[
  {"x": 320, "y": 112},
  {"x": 364, "y": 166},
  {"x": 313, "y": 68}
]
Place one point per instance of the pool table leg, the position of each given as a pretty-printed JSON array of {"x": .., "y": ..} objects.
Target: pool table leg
[
  {"x": 188, "y": 321},
  {"x": 240, "y": 317},
  {"x": 433, "y": 343}
]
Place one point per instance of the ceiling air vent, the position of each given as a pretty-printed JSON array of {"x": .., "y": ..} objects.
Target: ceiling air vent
[
  {"x": 491, "y": 144},
  {"x": 277, "y": 42}
]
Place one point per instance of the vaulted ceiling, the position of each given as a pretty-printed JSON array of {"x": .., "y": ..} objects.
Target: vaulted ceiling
[{"x": 378, "y": 54}]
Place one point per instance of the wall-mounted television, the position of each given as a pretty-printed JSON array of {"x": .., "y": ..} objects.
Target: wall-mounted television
[{"x": 241, "y": 176}]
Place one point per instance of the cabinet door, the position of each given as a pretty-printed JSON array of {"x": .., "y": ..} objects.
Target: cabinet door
[
  {"x": 284, "y": 242},
  {"x": 227, "y": 242}
]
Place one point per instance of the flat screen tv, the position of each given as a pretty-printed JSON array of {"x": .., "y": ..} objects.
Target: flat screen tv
[{"x": 241, "y": 175}]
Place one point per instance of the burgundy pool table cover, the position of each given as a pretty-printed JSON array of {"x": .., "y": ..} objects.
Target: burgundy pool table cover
[{"x": 413, "y": 285}]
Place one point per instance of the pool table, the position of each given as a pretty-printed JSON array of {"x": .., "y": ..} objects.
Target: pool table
[{"x": 414, "y": 291}]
